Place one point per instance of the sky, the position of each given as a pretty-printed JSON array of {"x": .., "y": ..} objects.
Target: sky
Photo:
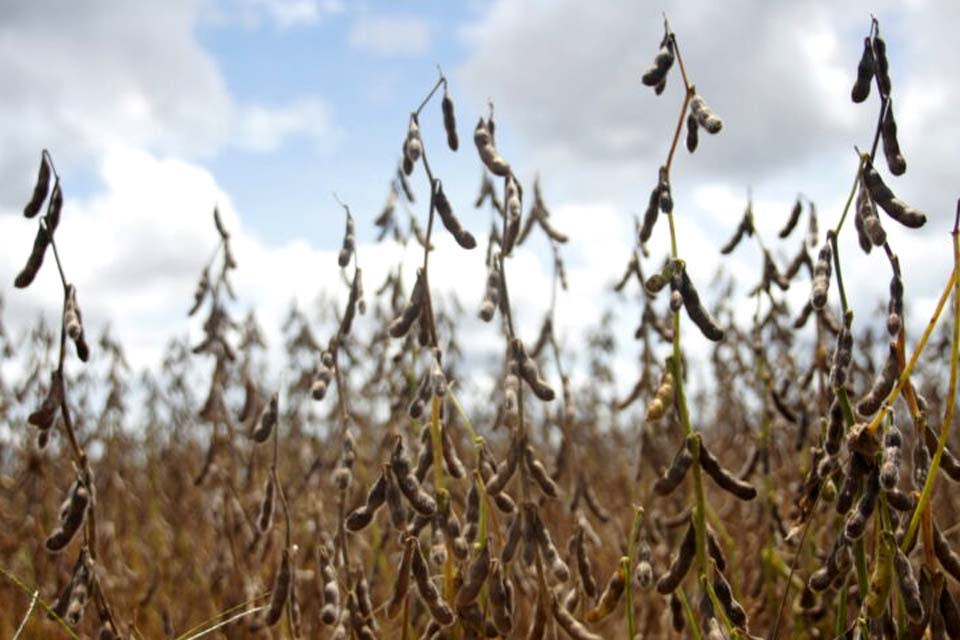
[{"x": 155, "y": 112}]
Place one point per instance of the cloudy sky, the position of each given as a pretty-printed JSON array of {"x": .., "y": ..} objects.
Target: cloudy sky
[{"x": 155, "y": 111}]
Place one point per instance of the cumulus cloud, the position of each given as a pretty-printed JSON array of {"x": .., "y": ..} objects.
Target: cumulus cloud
[
  {"x": 124, "y": 74},
  {"x": 390, "y": 35},
  {"x": 284, "y": 14}
]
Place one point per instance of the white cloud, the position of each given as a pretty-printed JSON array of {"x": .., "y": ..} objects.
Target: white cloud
[
  {"x": 390, "y": 35},
  {"x": 264, "y": 129}
]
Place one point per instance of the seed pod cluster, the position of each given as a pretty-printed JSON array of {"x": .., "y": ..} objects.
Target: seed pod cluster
[
  {"x": 463, "y": 237},
  {"x": 883, "y": 196},
  {"x": 268, "y": 419},
  {"x": 656, "y": 75},
  {"x": 71, "y": 516},
  {"x": 528, "y": 370},
  {"x": 704, "y": 115},
  {"x": 483, "y": 138}
]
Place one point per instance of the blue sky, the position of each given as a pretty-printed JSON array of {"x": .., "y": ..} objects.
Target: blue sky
[{"x": 155, "y": 110}]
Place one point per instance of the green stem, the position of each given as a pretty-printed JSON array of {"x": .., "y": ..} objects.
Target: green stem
[
  {"x": 692, "y": 623},
  {"x": 631, "y": 559}
]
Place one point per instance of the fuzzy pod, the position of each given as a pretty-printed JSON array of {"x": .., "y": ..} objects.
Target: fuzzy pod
[
  {"x": 449, "y": 120},
  {"x": 463, "y": 237},
  {"x": 842, "y": 355},
  {"x": 570, "y": 625},
  {"x": 551, "y": 556},
  {"x": 539, "y": 474},
  {"x": 892, "y": 459},
  {"x": 869, "y": 220},
  {"x": 505, "y": 469},
  {"x": 656, "y": 75},
  {"x": 429, "y": 593},
  {"x": 675, "y": 473},
  {"x": 650, "y": 215},
  {"x": 512, "y": 540},
  {"x": 693, "y": 136},
  {"x": 891, "y": 146},
  {"x": 73, "y": 598},
  {"x": 491, "y": 297},
  {"x": 856, "y": 522},
  {"x": 346, "y": 324},
  {"x": 663, "y": 189},
  {"x": 895, "y": 305},
  {"x": 528, "y": 370},
  {"x": 268, "y": 420},
  {"x": 265, "y": 517},
  {"x": 483, "y": 139},
  {"x": 677, "y": 618},
  {"x": 593, "y": 503},
  {"x": 883, "y": 196},
  {"x": 881, "y": 579},
  {"x": 946, "y": 556},
  {"x": 610, "y": 597},
  {"x": 349, "y": 242},
  {"x": 705, "y": 116},
  {"x": 734, "y": 610},
  {"x": 837, "y": 565},
  {"x": 866, "y": 68},
  {"x": 45, "y": 415},
  {"x": 715, "y": 551},
  {"x": 822, "y": 270},
  {"x": 422, "y": 502},
  {"x": 862, "y": 239},
  {"x": 583, "y": 564},
  {"x": 513, "y": 198},
  {"x": 362, "y": 516},
  {"x": 54, "y": 208},
  {"x": 950, "y": 613},
  {"x": 907, "y": 583},
  {"x": 835, "y": 426},
  {"x": 402, "y": 323},
  {"x": 696, "y": 311},
  {"x": 724, "y": 478},
  {"x": 280, "y": 595},
  {"x": 948, "y": 461},
  {"x": 475, "y": 578},
  {"x": 40, "y": 189},
  {"x": 330, "y": 611},
  {"x": 72, "y": 513},
  {"x": 451, "y": 460},
  {"x": 792, "y": 220},
  {"x": 35, "y": 260},
  {"x": 857, "y": 469},
  {"x": 500, "y": 599},
  {"x": 412, "y": 146},
  {"x": 681, "y": 564},
  {"x": 883, "y": 65}
]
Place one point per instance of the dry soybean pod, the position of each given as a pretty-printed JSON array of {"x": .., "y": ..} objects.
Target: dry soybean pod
[
  {"x": 40, "y": 188},
  {"x": 907, "y": 583},
  {"x": 682, "y": 562},
  {"x": 724, "y": 478},
  {"x": 281, "y": 590},
  {"x": 865, "y": 71},
  {"x": 792, "y": 220},
  {"x": 463, "y": 237},
  {"x": 449, "y": 120},
  {"x": 891, "y": 146},
  {"x": 610, "y": 597}
]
